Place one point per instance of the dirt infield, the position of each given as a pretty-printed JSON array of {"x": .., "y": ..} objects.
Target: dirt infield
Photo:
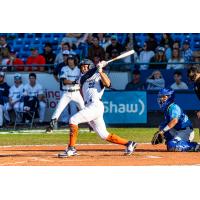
[{"x": 95, "y": 155}]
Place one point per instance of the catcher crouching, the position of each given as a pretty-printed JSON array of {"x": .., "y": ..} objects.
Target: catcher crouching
[{"x": 176, "y": 130}]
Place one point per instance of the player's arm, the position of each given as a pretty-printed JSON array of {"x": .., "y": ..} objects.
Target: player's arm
[
  {"x": 104, "y": 79},
  {"x": 174, "y": 117}
]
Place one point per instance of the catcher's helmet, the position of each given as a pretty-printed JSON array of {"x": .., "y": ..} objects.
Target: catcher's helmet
[
  {"x": 87, "y": 62},
  {"x": 165, "y": 92}
]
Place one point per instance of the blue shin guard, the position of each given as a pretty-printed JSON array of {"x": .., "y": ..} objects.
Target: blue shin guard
[{"x": 180, "y": 146}]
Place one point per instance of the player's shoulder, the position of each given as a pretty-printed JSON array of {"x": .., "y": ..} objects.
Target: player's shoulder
[{"x": 174, "y": 107}]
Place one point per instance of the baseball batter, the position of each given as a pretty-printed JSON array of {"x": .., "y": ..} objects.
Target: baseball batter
[
  {"x": 15, "y": 97},
  {"x": 177, "y": 128},
  {"x": 93, "y": 84},
  {"x": 69, "y": 77},
  {"x": 34, "y": 89}
]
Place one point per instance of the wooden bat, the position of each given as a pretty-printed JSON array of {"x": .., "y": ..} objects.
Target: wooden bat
[{"x": 128, "y": 53}]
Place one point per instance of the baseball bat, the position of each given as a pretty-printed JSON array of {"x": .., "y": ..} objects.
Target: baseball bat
[{"x": 128, "y": 53}]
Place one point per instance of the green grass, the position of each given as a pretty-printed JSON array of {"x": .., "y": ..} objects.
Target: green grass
[{"x": 61, "y": 138}]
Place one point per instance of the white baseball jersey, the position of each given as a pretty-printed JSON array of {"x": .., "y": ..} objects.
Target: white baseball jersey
[
  {"x": 16, "y": 92},
  {"x": 92, "y": 88},
  {"x": 72, "y": 75},
  {"x": 33, "y": 91}
]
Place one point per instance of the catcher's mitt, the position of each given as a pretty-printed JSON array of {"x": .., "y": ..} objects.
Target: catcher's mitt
[{"x": 158, "y": 138}]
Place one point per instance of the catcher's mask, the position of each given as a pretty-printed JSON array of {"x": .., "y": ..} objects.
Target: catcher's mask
[
  {"x": 165, "y": 102},
  {"x": 192, "y": 72},
  {"x": 87, "y": 62}
]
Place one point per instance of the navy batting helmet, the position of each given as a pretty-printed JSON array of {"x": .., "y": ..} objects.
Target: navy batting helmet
[
  {"x": 165, "y": 92},
  {"x": 87, "y": 62}
]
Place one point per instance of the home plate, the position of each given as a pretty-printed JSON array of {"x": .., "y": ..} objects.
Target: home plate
[{"x": 153, "y": 156}]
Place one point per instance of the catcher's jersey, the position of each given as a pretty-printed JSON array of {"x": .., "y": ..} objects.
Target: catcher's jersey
[
  {"x": 72, "y": 75},
  {"x": 33, "y": 91},
  {"x": 174, "y": 111},
  {"x": 16, "y": 92},
  {"x": 92, "y": 88}
]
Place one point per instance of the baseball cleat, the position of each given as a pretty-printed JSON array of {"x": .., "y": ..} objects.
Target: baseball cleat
[
  {"x": 49, "y": 129},
  {"x": 130, "y": 148},
  {"x": 71, "y": 151}
]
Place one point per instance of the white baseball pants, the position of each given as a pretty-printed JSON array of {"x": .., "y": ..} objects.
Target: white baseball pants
[
  {"x": 92, "y": 113},
  {"x": 186, "y": 135}
]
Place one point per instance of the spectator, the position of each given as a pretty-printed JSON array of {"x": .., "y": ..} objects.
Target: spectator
[
  {"x": 34, "y": 90},
  {"x": 4, "y": 92},
  {"x": 155, "y": 81},
  {"x": 167, "y": 43},
  {"x": 114, "y": 45},
  {"x": 187, "y": 52},
  {"x": 118, "y": 64},
  {"x": 14, "y": 63},
  {"x": 96, "y": 60},
  {"x": 166, "y": 39},
  {"x": 96, "y": 50},
  {"x": 36, "y": 60},
  {"x": 176, "y": 61},
  {"x": 58, "y": 68},
  {"x": 145, "y": 56},
  {"x": 151, "y": 42},
  {"x": 59, "y": 56},
  {"x": 104, "y": 40},
  {"x": 136, "y": 83},
  {"x": 159, "y": 61},
  {"x": 176, "y": 45},
  {"x": 49, "y": 56},
  {"x": 133, "y": 57},
  {"x": 72, "y": 39},
  {"x": 178, "y": 84},
  {"x": 15, "y": 97},
  {"x": 4, "y": 47}
]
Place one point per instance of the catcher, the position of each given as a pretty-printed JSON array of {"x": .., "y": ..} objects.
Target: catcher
[{"x": 176, "y": 130}]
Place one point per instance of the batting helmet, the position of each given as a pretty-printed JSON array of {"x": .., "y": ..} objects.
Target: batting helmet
[
  {"x": 87, "y": 62},
  {"x": 72, "y": 57},
  {"x": 165, "y": 92},
  {"x": 192, "y": 72},
  {"x": 17, "y": 76}
]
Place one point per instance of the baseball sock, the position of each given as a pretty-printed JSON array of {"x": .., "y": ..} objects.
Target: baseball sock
[
  {"x": 116, "y": 139},
  {"x": 73, "y": 134}
]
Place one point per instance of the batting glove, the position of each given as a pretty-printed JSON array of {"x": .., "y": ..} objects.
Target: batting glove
[{"x": 101, "y": 65}]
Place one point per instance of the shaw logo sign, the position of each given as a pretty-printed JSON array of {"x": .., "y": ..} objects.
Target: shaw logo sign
[{"x": 125, "y": 107}]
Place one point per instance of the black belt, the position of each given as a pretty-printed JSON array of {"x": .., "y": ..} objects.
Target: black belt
[{"x": 71, "y": 90}]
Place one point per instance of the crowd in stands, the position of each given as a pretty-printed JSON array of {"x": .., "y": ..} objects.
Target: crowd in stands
[{"x": 39, "y": 52}]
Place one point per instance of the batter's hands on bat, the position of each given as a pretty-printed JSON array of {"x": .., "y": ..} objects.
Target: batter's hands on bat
[
  {"x": 158, "y": 138},
  {"x": 101, "y": 65}
]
